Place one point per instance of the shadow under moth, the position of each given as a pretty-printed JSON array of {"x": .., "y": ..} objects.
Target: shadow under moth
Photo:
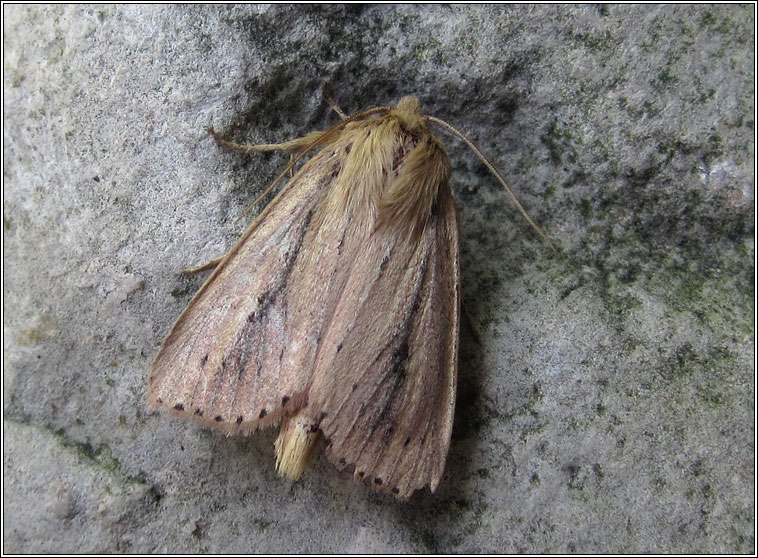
[{"x": 337, "y": 312}]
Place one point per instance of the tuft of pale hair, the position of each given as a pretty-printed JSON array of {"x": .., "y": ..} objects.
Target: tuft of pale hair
[{"x": 297, "y": 437}]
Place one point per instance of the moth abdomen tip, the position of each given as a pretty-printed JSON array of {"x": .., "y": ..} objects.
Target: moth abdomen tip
[{"x": 294, "y": 445}]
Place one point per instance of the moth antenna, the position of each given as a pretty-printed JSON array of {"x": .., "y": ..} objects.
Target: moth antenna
[
  {"x": 315, "y": 143},
  {"x": 497, "y": 175}
]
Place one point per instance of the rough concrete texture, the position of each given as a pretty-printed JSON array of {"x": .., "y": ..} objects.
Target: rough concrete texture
[{"x": 607, "y": 403}]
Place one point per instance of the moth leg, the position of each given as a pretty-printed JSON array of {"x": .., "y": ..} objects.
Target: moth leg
[
  {"x": 206, "y": 266},
  {"x": 335, "y": 107},
  {"x": 292, "y": 146}
]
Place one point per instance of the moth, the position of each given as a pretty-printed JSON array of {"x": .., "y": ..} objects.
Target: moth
[{"x": 337, "y": 312}]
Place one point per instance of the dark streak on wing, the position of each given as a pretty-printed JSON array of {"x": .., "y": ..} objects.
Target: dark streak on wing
[
  {"x": 245, "y": 346},
  {"x": 395, "y": 372}
]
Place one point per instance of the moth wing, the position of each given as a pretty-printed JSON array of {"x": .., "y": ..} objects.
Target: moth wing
[
  {"x": 223, "y": 362},
  {"x": 384, "y": 386}
]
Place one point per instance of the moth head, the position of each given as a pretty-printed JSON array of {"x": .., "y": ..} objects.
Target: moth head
[{"x": 408, "y": 111}]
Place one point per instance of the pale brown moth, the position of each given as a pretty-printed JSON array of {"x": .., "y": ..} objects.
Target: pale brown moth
[{"x": 337, "y": 312}]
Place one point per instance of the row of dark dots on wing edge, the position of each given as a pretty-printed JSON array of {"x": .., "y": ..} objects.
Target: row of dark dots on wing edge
[
  {"x": 219, "y": 418},
  {"x": 377, "y": 481},
  {"x": 362, "y": 474}
]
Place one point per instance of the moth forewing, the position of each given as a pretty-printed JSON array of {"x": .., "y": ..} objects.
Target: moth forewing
[
  {"x": 337, "y": 312},
  {"x": 210, "y": 364}
]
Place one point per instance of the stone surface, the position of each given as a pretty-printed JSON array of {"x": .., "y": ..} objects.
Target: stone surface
[{"x": 607, "y": 405}]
